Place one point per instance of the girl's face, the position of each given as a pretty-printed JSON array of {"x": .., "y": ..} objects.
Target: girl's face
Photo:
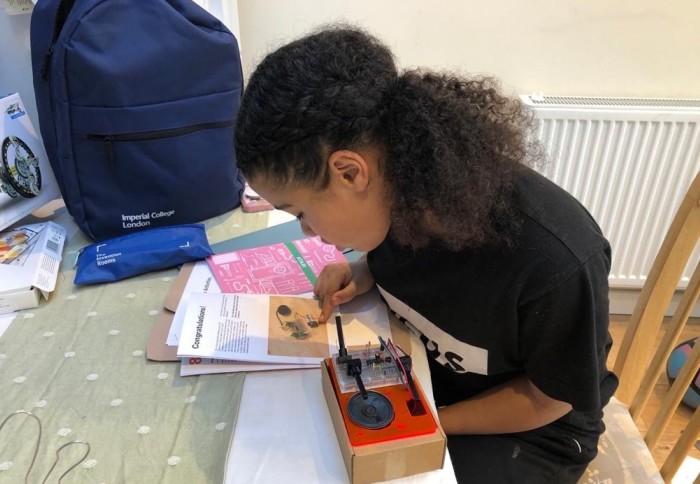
[{"x": 352, "y": 212}]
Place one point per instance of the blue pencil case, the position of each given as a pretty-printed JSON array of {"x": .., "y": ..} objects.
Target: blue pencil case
[{"x": 140, "y": 252}]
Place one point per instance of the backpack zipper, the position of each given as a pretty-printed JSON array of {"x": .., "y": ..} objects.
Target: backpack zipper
[
  {"x": 61, "y": 15},
  {"x": 46, "y": 64},
  {"x": 110, "y": 139}
]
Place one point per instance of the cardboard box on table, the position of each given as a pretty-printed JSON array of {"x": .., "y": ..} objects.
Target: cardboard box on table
[
  {"x": 385, "y": 460},
  {"x": 26, "y": 277}
]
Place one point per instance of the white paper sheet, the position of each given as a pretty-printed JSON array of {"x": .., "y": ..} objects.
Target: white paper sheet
[
  {"x": 201, "y": 280},
  {"x": 207, "y": 366}
]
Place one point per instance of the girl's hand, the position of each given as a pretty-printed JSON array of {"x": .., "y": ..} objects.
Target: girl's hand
[{"x": 340, "y": 283}]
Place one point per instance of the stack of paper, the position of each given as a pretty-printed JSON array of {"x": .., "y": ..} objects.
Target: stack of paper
[
  {"x": 275, "y": 329},
  {"x": 266, "y": 317}
]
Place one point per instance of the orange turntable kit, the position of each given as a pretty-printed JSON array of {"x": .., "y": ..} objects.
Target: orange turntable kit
[{"x": 385, "y": 427}]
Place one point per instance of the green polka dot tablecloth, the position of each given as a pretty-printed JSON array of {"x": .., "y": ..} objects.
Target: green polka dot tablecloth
[{"x": 78, "y": 363}]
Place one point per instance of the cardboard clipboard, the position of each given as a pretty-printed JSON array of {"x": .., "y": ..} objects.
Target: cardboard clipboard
[{"x": 156, "y": 349}]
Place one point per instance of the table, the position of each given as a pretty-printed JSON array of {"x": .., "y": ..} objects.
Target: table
[{"x": 78, "y": 362}]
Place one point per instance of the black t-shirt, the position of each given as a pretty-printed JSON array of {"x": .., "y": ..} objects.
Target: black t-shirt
[{"x": 538, "y": 307}]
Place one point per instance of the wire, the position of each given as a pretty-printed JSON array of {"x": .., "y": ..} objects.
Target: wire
[
  {"x": 87, "y": 452},
  {"x": 38, "y": 443},
  {"x": 38, "y": 440},
  {"x": 404, "y": 374}
]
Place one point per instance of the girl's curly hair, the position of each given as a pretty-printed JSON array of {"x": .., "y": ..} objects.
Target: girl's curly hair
[{"x": 452, "y": 145}]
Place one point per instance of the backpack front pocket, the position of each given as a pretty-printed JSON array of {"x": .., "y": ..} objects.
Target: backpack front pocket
[{"x": 136, "y": 164}]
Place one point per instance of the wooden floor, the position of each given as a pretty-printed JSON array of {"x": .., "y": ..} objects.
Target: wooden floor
[{"x": 618, "y": 325}]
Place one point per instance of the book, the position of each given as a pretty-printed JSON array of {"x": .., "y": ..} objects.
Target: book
[
  {"x": 279, "y": 329},
  {"x": 281, "y": 268}
]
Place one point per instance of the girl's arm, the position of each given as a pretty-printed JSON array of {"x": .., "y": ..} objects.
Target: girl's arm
[{"x": 514, "y": 406}]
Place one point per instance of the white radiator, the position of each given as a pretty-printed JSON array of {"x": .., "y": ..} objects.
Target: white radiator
[{"x": 629, "y": 161}]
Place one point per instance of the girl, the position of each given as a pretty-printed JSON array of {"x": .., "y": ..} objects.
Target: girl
[{"x": 501, "y": 273}]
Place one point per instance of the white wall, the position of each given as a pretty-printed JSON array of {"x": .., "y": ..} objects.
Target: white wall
[
  {"x": 641, "y": 48},
  {"x": 586, "y": 47},
  {"x": 15, "y": 63}
]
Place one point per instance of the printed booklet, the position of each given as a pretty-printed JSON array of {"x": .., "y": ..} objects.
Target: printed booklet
[
  {"x": 276, "y": 328},
  {"x": 284, "y": 268}
]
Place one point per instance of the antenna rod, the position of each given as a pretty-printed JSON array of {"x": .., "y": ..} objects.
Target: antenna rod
[{"x": 342, "y": 350}]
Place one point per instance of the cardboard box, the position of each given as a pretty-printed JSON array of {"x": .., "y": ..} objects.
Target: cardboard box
[
  {"x": 386, "y": 460},
  {"x": 27, "y": 182},
  {"x": 157, "y": 348},
  {"x": 30, "y": 257}
]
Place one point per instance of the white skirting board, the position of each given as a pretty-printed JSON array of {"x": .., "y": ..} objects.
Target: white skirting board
[{"x": 622, "y": 301}]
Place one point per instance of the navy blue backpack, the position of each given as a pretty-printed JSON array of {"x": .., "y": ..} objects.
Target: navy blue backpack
[{"x": 137, "y": 102}]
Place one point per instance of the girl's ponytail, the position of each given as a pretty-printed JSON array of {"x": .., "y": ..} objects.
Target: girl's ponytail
[{"x": 454, "y": 145}]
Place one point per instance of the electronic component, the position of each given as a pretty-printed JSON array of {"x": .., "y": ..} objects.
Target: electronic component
[{"x": 393, "y": 408}]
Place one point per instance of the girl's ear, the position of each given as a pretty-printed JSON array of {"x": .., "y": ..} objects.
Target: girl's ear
[{"x": 350, "y": 168}]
